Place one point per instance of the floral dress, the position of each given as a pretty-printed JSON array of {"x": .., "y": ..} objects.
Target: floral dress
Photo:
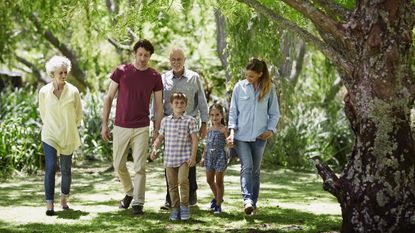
[{"x": 216, "y": 158}]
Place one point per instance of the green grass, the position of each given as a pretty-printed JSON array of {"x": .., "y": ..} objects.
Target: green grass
[{"x": 286, "y": 204}]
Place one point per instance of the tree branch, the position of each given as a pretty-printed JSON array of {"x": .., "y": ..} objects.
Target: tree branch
[
  {"x": 299, "y": 61},
  {"x": 133, "y": 35},
  {"x": 320, "y": 19},
  {"x": 332, "y": 8},
  {"x": 118, "y": 45},
  {"x": 331, "y": 183},
  {"x": 77, "y": 72},
  {"x": 284, "y": 23},
  {"x": 221, "y": 42},
  {"x": 33, "y": 68}
]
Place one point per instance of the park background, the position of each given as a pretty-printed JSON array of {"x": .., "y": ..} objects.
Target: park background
[{"x": 220, "y": 37}]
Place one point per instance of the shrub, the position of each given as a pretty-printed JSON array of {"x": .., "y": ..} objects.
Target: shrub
[{"x": 20, "y": 147}]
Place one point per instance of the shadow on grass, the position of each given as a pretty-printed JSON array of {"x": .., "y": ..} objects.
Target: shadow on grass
[
  {"x": 271, "y": 219},
  {"x": 71, "y": 214}
]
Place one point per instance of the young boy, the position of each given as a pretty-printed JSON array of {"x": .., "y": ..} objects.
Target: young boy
[{"x": 179, "y": 133}]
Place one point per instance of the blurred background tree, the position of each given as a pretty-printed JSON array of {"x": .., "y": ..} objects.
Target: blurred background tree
[{"x": 220, "y": 37}]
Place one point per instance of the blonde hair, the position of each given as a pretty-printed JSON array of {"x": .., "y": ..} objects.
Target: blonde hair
[
  {"x": 265, "y": 82},
  {"x": 55, "y": 63}
]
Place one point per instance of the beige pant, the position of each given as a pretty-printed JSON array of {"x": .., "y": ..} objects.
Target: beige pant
[
  {"x": 178, "y": 177},
  {"x": 137, "y": 139}
]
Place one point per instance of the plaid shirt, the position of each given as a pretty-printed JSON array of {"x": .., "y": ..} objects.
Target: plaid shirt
[{"x": 177, "y": 140}]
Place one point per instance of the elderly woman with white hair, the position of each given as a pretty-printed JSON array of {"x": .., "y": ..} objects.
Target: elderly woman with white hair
[{"x": 61, "y": 113}]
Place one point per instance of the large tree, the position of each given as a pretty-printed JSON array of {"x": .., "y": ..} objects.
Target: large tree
[{"x": 372, "y": 47}]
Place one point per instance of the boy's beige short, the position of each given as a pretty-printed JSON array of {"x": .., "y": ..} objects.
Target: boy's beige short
[{"x": 137, "y": 139}]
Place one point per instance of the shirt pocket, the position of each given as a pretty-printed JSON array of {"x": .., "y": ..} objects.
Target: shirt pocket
[
  {"x": 182, "y": 132},
  {"x": 244, "y": 103}
]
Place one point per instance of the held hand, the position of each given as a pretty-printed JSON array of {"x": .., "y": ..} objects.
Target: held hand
[
  {"x": 153, "y": 155},
  {"x": 202, "y": 131},
  {"x": 191, "y": 162},
  {"x": 202, "y": 162},
  {"x": 264, "y": 136},
  {"x": 229, "y": 140},
  {"x": 154, "y": 136},
  {"x": 105, "y": 133}
]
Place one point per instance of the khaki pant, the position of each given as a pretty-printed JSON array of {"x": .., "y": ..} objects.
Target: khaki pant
[
  {"x": 137, "y": 139},
  {"x": 178, "y": 177}
]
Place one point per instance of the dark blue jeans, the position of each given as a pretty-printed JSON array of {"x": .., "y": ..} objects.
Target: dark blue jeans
[
  {"x": 50, "y": 171},
  {"x": 250, "y": 155}
]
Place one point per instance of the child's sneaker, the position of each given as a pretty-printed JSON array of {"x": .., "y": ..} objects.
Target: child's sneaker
[
  {"x": 218, "y": 209},
  {"x": 184, "y": 213},
  {"x": 212, "y": 204},
  {"x": 248, "y": 208},
  {"x": 175, "y": 214}
]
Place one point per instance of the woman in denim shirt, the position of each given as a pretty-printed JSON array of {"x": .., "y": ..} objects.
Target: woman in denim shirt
[{"x": 253, "y": 117}]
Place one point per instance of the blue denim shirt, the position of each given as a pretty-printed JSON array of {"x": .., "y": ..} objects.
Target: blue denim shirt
[{"x": 249, "y": 117}]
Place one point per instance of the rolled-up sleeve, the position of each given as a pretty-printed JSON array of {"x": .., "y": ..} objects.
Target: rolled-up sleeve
[
  {"x": 202, "y": 102},
  {"x": 273, "y": 111},
  {"x": 78, "y": 109},
  {"x": 233, "y": 110},
  {"x": 42, "y": 106}
]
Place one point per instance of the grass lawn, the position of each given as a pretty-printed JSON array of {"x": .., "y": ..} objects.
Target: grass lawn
[{"x": 290, "y": 201}]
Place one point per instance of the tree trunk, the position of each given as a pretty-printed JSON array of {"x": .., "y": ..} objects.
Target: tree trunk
[
  {"x": 372, "y": 51},
  {"x": 376, "y": 190}
]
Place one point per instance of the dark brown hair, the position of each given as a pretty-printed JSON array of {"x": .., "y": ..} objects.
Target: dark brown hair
[
  {"x": 265, "y": 83},
  {"x": 220, "y": 109},
  {"x": 146, "y": 44}
]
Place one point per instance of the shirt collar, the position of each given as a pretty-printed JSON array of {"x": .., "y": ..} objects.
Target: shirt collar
[
  {"x": 171, "y": 116},
  {"x": 185, "y": 74},
  {"x": 53, "y": 86}
]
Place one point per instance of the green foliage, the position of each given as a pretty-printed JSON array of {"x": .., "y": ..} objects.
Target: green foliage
[
  {"x": 93, "y": 147},
  {"x": 311, "y": 124},
  {"x": 311, "y": 132},
  {"x": 20, "y": 147},
  {"x": 20, "y": 127}
]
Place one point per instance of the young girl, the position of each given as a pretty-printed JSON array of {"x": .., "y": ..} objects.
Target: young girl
[{"x": 214, "y": 157}]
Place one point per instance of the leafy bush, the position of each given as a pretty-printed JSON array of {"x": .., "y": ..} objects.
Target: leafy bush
[
  {"x": 20, "y": 127},
  {"x": 20, "y": 147},
  {"x": 93, "y": 147},
  {"x": 310, "y": 132}
]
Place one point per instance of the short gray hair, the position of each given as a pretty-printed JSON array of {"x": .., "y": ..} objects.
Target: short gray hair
[{"x": 56, "y": 62}]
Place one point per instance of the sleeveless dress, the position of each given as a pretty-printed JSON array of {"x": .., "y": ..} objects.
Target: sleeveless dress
[{"x": 216, "y": 158}]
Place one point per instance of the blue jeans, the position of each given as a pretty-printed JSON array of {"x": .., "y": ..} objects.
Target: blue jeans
[
  {"x": 50, "y": 171},
  {"x": 250, "y": 155}
]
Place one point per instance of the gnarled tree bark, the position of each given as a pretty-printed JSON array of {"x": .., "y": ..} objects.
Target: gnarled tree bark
[{"x": 376, "y": 190}]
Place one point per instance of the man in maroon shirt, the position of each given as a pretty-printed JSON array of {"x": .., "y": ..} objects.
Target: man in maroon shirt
[{"x": 133, "y": 84}]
